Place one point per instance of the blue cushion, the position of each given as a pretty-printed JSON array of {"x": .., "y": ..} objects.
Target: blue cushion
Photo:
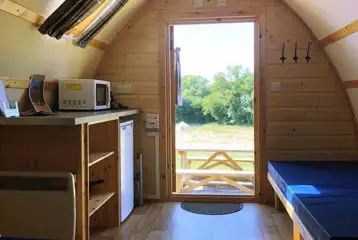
[{"x": 323, "y": 194}]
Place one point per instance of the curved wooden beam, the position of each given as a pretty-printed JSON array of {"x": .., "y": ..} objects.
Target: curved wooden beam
[
  {"x": 351, "y": 84},
  {"x": 341, "y": 33}
]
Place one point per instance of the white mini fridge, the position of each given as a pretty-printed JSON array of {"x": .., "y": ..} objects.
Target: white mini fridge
[{"x": 127, "y": 169}]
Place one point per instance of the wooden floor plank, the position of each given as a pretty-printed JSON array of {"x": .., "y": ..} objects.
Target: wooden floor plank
[{"x": 168, "y": 221}]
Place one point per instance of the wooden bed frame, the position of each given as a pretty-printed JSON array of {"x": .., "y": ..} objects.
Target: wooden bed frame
[{"x": 299, "y": 229}]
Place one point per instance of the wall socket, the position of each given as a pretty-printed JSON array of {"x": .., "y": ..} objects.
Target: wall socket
[
  {"x": 152, "y": 124},
  {"x": 198, "y": 3},
  {"x": 152, "y": 121},
  {"x": 275, "y": 87},
  {"x": 222, "y": 3}
]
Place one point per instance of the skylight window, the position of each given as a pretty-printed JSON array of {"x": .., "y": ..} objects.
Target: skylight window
[{"x": 81, "y": 19}]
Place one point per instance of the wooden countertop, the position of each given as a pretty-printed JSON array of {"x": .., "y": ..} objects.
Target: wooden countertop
[{"x": 69, "y": 118}]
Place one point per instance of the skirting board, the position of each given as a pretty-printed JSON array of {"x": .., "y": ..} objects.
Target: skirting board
[{"x": 151, "y": 197}]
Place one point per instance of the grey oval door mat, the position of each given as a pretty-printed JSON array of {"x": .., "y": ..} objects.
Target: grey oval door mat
[{"x": 211, "y": 208}]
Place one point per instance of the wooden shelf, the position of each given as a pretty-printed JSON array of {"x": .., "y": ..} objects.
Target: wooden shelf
[
  {"x": 97, "y": 201},
  {"x": 97, "y": 157}
]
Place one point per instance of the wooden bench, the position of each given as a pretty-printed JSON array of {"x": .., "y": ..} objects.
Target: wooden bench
[
  {"x": 204, "y": 177},
  {"x": 219, "y": 160},
  {"x": 217, "y": 157}
]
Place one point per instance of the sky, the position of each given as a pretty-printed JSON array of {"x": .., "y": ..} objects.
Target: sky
[{"x": 207, "y": 49}]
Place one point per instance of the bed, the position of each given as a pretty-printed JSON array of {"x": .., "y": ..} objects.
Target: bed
[{"x": 322, "y": 197}]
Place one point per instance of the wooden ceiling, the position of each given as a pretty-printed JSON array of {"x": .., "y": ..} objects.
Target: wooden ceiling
[
  {"x": 336, "y": 24},
  {"x": 121, "y": 20}
]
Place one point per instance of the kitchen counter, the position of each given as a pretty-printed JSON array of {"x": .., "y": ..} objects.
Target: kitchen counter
[{"x": 69, "y": 118}]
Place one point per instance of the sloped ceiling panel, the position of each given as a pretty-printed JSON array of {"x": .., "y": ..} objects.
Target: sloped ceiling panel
[
  {"x": 44, "y": 8},
  {"x": 344, "y": 55},
  {"x": 121, "y": 19},
  {"x": 325, "y": 16}
]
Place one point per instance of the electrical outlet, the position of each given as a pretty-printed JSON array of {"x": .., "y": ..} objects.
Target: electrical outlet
[
  {"x": 198, "y": 3},
  {"x": 275, "y": 87},
  {"x": 152, "y": 121},
  {"x": 222, "y": 3},
  {"x": 152, "y": 125}
]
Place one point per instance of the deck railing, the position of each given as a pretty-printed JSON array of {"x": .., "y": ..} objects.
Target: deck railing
[{"x": 239, "y": 171}]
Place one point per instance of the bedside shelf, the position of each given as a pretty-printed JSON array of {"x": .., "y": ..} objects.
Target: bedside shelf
[
  {"x": 97, "y": 201},
  {"x": 98, "y": 157}
]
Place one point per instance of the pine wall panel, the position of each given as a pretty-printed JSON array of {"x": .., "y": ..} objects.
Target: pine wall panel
[{"x": 309, "y": 119}]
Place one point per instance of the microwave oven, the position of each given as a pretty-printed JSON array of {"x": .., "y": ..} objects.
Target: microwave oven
[{"x": 84, "y": 94}]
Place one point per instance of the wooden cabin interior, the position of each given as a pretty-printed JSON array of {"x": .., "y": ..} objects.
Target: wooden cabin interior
[{"x": 62, "y": 172}]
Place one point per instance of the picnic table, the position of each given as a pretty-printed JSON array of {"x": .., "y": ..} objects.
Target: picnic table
[{"x": 188, "y": 179}]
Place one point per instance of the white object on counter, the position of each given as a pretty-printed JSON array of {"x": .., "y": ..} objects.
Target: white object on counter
[
  {"x": 4, "y": 103},
  {"x": 38, "y": 205}
]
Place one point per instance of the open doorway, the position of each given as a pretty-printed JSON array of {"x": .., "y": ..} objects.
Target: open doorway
[{"x": 214, "y": 115}]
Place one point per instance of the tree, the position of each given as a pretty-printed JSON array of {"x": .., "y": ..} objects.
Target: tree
[
  {"x": 227, "y": 100},
  {"x": 230, "y": 98},
  {"x": 216, "y": 103},
  {"x": 194, "y": 89},
  {"x": 241, "y": 108}
]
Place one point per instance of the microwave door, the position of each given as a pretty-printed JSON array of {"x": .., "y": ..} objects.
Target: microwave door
[{"x": 102, "y": 95}]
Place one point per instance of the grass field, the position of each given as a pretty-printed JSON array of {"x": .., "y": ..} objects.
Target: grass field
[{"x": 216, "y": 136}]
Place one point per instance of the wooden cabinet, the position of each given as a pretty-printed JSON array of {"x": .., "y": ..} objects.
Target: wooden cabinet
[{"x": 89, "y": 149}]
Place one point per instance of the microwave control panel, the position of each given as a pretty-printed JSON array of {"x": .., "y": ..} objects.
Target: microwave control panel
[{"x": 75, "y": 95}]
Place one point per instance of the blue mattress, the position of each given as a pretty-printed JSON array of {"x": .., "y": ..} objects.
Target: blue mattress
[{"x": 323, "y": 194}]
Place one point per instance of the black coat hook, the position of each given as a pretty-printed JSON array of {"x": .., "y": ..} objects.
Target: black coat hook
[
  {"x": 283, "y": 58},
  {"x": 308, "y": 57},
  {"x": 295, "y": 58}
]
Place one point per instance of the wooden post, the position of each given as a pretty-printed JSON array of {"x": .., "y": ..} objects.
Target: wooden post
[
  {"x": 183, "y": 159},
  {"x": 296, "y": 232},
  {"x": 82, "y": 222},
  {"x": 179, "y": 183}
]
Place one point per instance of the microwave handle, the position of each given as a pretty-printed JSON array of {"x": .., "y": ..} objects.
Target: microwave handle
[{"x": 109, "y": 95}]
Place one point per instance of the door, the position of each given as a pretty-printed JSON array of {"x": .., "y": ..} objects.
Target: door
[
  {"x": 212, "y": 109},
  {"x": 127, "y": 169}
]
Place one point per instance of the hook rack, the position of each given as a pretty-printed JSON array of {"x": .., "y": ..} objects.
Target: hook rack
[
  {"x": 308, "y": 57},
  {"x": 283, "y": 58},
  {"x": 295, "y": 58}
]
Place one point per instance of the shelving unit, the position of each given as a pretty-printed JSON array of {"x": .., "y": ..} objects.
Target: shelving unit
[
  {"x": 103, "y": 144},
  {"x": 97, "y": 201},
  {"x": 85, "y": 144},
  {"x": 97, "y": 157}
]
